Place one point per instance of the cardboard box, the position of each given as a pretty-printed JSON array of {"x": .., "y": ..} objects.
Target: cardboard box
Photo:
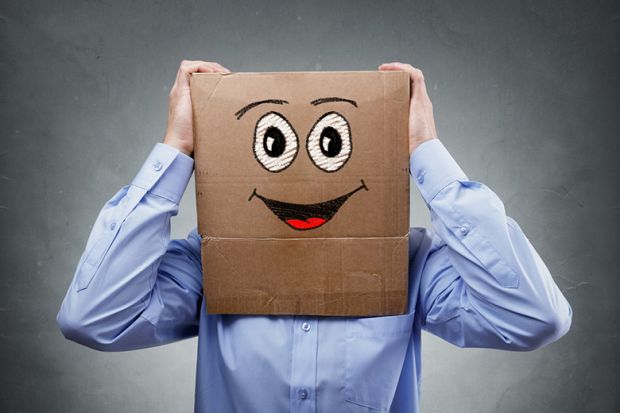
[{"x": 302, "y": 190}]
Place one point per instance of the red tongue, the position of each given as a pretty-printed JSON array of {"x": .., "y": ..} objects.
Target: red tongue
[{"x": 307, "y": 224}]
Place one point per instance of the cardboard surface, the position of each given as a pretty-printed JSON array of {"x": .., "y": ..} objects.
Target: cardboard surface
[{"x": 302, "y": 191}]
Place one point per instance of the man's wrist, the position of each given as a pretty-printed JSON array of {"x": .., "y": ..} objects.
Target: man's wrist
[
  {"x": 165, "y": 173},
  {"x": 176, "y": 144},
  {"x": 416, "y": 144},
  {"x": 433, "y": 168}
]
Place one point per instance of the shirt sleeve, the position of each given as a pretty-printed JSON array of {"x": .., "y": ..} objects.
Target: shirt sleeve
[
  {"x": 483, "y": 284},
  {"x": 133, "y": 287}
]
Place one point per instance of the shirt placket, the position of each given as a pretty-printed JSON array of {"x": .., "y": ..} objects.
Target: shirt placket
[{"x": 304, "y": 364}]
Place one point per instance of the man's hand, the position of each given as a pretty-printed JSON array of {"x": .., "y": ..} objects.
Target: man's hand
[
  {"x": 179, "y": 132},
  {"x": 421, "y": 120}
]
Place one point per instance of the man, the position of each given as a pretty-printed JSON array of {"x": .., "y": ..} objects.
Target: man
[{"x": 475, "y": 280}]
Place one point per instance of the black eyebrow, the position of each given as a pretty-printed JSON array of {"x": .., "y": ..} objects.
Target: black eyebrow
[
  {"x": 333, "y": 99},
  {"x": 247, "y": 107}
]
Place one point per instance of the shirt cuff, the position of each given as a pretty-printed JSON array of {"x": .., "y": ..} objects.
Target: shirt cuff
[
  {"x": 433, "y": 168},
  {"x": 165, "y": 173}
]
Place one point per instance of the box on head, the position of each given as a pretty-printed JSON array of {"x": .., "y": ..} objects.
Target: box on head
[{"x": 302, "y": 191}]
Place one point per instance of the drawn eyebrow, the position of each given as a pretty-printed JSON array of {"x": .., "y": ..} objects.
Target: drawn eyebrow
[
  {"x": 247, "y": 107},
  {"x": 333, "y": 99}
]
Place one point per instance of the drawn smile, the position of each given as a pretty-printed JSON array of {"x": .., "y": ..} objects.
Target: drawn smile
[{"x": 306, "y": 216}]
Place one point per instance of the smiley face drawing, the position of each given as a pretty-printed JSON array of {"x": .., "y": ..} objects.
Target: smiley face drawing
[{"x": 328, "y": 144}]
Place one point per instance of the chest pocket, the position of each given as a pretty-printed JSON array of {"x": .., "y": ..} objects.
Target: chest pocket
[{"x": 375, "y": 352}]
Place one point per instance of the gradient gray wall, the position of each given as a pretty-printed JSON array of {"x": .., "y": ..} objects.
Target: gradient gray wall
[{"x": 526, "y": 96}]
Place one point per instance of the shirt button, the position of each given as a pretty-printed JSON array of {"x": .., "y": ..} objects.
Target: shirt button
[
  {"x": 157, "y": 165},
  {"x": 305, "y": 326},
  {"x": 464, "y": 229},
  {"x": 302, "y": 394},
  {"x": 421, "y": 178},
  {"x": 113, "y": 225}
]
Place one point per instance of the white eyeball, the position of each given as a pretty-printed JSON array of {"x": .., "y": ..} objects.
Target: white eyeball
[
  {"x": 329, "y": 142},
  {"x": 275, "y": 142}
]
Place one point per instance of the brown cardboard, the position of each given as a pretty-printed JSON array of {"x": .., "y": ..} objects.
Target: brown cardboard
[{"x": 262, "y": 256}]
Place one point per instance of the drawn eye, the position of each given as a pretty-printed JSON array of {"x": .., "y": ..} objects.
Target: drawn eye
[
  {"x": 329, "y": 142},
  {"x": 275, "y": 142}
]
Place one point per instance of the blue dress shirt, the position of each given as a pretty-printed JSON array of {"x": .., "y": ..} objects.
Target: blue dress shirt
[{"x": 474, "y": 280}]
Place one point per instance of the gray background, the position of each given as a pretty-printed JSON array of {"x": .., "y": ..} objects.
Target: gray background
[{"x": 526, "y": 96}]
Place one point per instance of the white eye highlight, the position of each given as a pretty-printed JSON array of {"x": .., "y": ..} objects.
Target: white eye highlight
[
  {"x": 275, "y": 142},
  {"x": 329, "y": 142}
]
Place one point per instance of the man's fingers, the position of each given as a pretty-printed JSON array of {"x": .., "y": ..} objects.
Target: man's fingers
[
  {"x": 188, "y": 67},
  {"x": 199, "y": 66},
  {"x": 415, "y": 74},
  {"x": 203, "y": 67},
  {"x": 225, "y": 69},
  {"x": 192, "y": 65},
  {"x": 389, "y": 66}
]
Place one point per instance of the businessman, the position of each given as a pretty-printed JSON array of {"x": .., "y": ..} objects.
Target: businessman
[{"x": 474, "y": 280}]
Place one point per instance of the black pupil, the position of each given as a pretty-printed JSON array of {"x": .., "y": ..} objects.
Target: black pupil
[
  {"x": 274, "y": 142},
  {"x": 330, "y": 142}
]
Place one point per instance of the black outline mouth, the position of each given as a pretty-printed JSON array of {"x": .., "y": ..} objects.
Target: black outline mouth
[{"x": 323, "y": 210}]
